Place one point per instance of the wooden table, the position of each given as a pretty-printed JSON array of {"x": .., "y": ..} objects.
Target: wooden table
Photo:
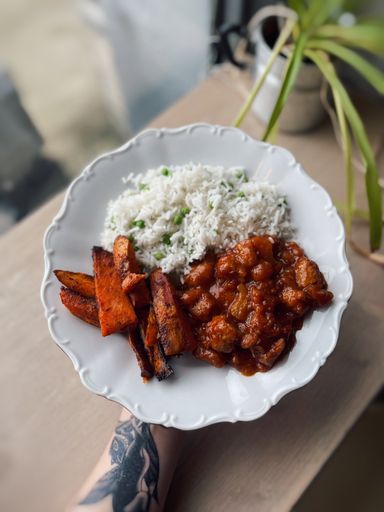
[{"x": 52, "y": 430}]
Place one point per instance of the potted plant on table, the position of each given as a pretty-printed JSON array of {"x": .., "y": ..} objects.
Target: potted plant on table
[{"x": 312, "y": 33}]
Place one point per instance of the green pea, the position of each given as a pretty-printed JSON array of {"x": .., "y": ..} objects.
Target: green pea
[
  {"x": 165, "y": 171},
  {"x": 184, "y": 211},
  {"x": 177, "y": 219},
  {"x": 240, "y": 194},
  {"x": 158, "y": 256}
]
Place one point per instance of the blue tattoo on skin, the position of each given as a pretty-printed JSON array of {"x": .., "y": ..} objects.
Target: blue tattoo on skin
[{"x": 132, "y": 481}]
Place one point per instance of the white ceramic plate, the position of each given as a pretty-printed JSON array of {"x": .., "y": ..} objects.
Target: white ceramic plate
[{"x": 198, "y": 394}]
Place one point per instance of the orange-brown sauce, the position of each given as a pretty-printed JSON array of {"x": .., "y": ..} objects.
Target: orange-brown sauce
[{"x": 247, "y": 303}]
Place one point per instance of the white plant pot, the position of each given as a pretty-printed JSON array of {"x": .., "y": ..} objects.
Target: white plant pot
[{"x": 303, "y": 110}]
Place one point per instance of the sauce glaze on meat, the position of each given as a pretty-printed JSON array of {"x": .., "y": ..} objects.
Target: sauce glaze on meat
[{"x": 246, "y": 304}]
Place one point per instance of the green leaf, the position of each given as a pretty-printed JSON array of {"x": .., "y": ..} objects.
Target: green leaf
[
  {"x": 368, "y": 37},
  {"x": 320, "y": 11},
  {"x": 282, "y": 39},
  {"x": 353, "y": 6},
  {"x": 371, "y": 174},
  {"x": 272, "y": 138},
  {"x": 293, "y": 67},
  {"x": 299, "y": 6},
  {"x": 347, "y": 149},
  {"x": 372, "y": 74},
  {"x": 377, "y": 21}
]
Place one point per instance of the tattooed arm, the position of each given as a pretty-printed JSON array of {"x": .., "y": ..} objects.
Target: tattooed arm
[{"x": 134, "y": 472}]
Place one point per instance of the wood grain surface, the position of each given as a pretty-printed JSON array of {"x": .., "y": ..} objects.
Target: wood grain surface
[{"x": 52, "y": 430}]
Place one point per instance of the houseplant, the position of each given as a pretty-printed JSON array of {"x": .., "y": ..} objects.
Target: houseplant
[{"x": 312, "y": 31}]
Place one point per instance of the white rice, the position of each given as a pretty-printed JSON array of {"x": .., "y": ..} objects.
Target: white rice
[{"x": 220, "y": 207}]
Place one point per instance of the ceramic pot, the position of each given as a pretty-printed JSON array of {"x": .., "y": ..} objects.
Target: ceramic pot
[{"x": 303, "y": 110}]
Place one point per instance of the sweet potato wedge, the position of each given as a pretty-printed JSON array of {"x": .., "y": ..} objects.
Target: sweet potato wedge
[
  {"x": 155, "y": 353},
  {"x": 116, "y": 313},
  {"x": 77, "y": 281},
  {"x": 175, "y": 331},
  {"x": 152, "y": 330},
  {"x": 126, "y": 263},
  {"x": 159, "y": 363},
  {"x": 131, "y": 281},
  {"x": 137, "y": 345},
  {"x": 84, "y": 308}
]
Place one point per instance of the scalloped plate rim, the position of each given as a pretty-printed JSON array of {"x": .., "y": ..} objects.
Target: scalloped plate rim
[{"x": 169, "y": 419}]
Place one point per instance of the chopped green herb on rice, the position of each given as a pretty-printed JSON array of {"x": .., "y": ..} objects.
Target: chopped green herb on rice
[{"x": 182, "y": 211}]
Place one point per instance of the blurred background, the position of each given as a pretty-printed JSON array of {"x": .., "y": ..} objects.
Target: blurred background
[{"x": 78, "y": 78}]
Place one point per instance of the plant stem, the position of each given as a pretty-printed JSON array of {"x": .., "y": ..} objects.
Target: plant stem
[{"x": 282, "y": 39}]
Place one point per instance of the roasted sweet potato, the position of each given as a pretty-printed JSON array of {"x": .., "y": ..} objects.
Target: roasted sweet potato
[
  {"x": 116, "y": 313},
  {"x": 159, "y": 363},
  {"x": 147, "y": 321},
  {"x": 85, "y": 284},
  {"x": 137, "y": 345},
  {"x": 78, "y": 282},
  {"x": 84, "y": 308},
  {"x": 175, "y": 331},
  {"x": 126, "y": 263},
  {"x": 152, "y": 330},
  {"x": 131, "y": 281}
]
